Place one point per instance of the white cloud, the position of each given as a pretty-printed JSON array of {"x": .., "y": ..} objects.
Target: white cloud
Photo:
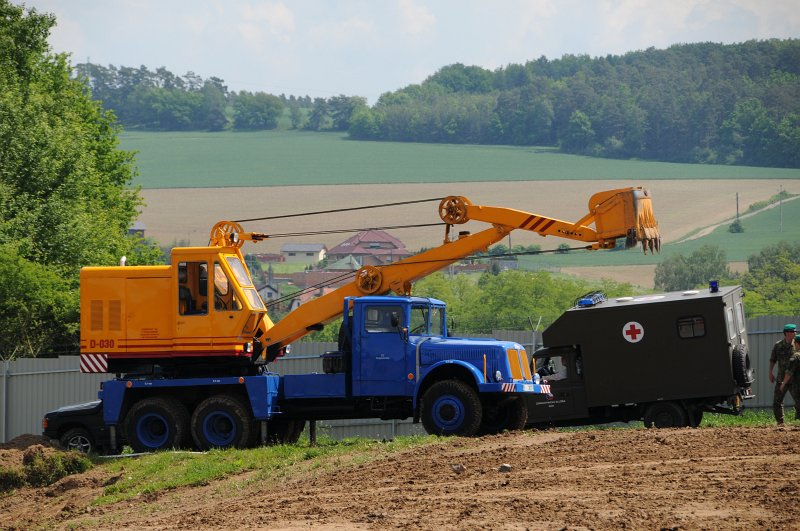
[
  {"x": 344, "y": 31},
  {"x": 415, "y": 19},
  {"x": 260, "y": 20}
]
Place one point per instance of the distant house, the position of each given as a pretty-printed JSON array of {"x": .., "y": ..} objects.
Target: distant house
[
  {"x": 348, "y": 263},
  {"x": 371, "y": 247},
  {"x": 136, "y": 229},
  {"x": 307, "y": 253},
  {"x": 269, "y": 293}
]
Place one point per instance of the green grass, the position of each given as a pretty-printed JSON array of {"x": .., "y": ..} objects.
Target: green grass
[
  {"x": 280, "y": 158},
  {"x": 168, "y": 470}
]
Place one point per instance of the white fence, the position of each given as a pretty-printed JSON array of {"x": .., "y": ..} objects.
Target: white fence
[{"x": 31, "y": 387}]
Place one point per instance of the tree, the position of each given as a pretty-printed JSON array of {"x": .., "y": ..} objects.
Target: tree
[
  {"x": 65, "y": 196},
  {"x": 256, "y": 111},
  {"x": 679, "y": 272},
  {"x": 772, "y": 281},
  {"x": 579, "y": 135}
]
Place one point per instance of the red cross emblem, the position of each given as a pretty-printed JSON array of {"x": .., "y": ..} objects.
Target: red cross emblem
[{"x": 633, "y": 332}]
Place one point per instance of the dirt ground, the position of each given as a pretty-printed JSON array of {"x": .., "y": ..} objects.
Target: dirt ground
[{"x": 709, "y": 478}]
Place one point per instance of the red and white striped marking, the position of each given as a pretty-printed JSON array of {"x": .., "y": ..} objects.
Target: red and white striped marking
[{"x": 94, "y": 362}]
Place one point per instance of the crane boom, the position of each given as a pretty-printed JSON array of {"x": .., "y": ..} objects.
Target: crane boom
[{"x": 619, "y": 213}]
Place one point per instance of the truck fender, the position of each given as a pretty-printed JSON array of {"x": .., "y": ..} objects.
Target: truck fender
[{"x": 443, "y": 370}]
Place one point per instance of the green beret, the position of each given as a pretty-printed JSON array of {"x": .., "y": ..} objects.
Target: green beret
[{"x": 790, "y": 328}]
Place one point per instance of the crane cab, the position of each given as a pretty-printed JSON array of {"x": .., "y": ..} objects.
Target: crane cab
[{"x": 203, "y": 310}]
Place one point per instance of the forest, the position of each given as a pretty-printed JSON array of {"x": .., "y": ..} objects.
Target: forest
[{"x": 702, "y": 103}]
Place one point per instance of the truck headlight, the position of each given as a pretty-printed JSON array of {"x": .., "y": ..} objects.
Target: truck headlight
[
  {"x": 536, "y": 378},
  {"x": 498, "y": 376}
]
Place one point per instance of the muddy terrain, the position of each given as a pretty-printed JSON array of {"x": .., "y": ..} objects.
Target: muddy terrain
[{"x": 710, "y": 478}]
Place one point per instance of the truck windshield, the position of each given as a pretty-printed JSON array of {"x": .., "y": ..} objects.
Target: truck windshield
[{"x": 426, "y": 320}]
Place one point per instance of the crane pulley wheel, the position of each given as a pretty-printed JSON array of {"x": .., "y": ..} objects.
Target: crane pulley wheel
[
  {"x": 453, "y": 209},
  {"x": 369, "y": 279},
  {"x": 226, "y": 234}
]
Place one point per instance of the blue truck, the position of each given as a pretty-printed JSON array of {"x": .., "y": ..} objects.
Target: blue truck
[
  {"x": 395, "y": 361},
  {"x": 190, "y": 342}
]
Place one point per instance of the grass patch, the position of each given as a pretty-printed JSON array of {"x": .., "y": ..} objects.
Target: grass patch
[
  {"x": 284, "y": 158},
  {"x": 168, "y": 470},
  {"x": 40, "y": 470},
  {"x": 749, "y": 417}
]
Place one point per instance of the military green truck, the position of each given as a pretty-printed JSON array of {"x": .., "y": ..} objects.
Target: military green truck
[{"x": 664, "y": 359}]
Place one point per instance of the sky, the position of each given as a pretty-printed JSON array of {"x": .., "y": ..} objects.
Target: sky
[{"x": 324, "y": 48}]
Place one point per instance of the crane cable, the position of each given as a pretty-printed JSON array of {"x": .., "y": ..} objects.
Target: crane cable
[{"x": 341, "y": 210}]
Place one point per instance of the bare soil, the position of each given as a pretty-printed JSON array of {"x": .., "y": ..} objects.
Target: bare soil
[
  {"x": 174, "y": 215},
  {"x": 709, "y": 478}
]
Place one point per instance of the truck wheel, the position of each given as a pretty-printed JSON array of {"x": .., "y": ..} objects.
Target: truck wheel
[
  {"x": 156, "y": 424},
  {"x": 222, "y": 421},
  {"x": 742, "y": 372},
  {"x": 284, "y": 431},
  {"x": 78, "y": 439},
  {"x": 512, "y": 415},
  {"x": 665, "y": 415},
  {"x": 451, "y": 407}
]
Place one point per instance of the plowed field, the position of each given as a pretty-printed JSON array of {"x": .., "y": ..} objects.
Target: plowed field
[{"x": 710, "y": 478}]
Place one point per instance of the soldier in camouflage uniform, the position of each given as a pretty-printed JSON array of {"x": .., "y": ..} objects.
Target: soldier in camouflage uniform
[{"x": 781, "y": 354}]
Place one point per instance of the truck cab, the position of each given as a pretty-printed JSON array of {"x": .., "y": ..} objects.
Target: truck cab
[{"x": 396, "y": 360}]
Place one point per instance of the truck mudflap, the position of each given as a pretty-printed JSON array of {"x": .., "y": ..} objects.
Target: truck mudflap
[{"x": 514, "y": 387}]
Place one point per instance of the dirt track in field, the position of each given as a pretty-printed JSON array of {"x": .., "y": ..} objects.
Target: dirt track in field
[
  {"x": 188, "y": 214},
  {"x": 710, "y": 478}
]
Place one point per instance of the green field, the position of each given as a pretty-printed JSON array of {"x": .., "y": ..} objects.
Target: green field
[
  {"x": 760, "y": 230},
  {"x": 281, "y": 158}
]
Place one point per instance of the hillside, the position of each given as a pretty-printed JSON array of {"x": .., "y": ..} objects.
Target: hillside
[
  {"x": 708, "y": 478},
  {"x": 286, "y": 158}
]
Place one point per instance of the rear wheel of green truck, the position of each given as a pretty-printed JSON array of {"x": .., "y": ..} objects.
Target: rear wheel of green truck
[
  {"x": 742, "y": 371},
  {"x": 511, "y": 415},
  {"x": 156, "y": 424},
  {"x": 451, "y": 407},
  {"x": 665, "y": 415},
  {"x": 222, "y": 421}
]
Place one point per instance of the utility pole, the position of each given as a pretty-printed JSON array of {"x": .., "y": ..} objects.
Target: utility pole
[{"x": 780, "y": 208}]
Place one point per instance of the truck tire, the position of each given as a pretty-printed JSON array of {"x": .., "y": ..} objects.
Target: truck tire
[
  {"x": 156, "y": 424},
  {"x": 511, "y": 416},
  {"x": 78, "y": 440},
  {"x": 742, "y": 372},
  {"x": 222, "y": 421},
  {"x": 281, "y": 431},
  {"x": 451, "y": 407},
  {"x": 665, "y": 415}
]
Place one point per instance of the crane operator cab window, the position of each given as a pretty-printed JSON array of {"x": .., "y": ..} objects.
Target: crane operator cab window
[
  {"x": 192, "y": 288},
  {"x": 225, "y": 298}
]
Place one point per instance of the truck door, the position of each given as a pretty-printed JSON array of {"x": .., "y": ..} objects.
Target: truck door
[
  {"x": 193, "y": 318},
  {"x": 737, "y": 330},
  {"x": 563, "y": 371},
  {"x": 382, "y": 351}
]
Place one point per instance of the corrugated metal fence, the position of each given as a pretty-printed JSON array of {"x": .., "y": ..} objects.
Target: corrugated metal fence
[{"x": 31, "y": 387}]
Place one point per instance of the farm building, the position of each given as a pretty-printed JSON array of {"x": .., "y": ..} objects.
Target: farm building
[
  {"x": 307, "y": 253},
  {"x": 371, "y": 247}
]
